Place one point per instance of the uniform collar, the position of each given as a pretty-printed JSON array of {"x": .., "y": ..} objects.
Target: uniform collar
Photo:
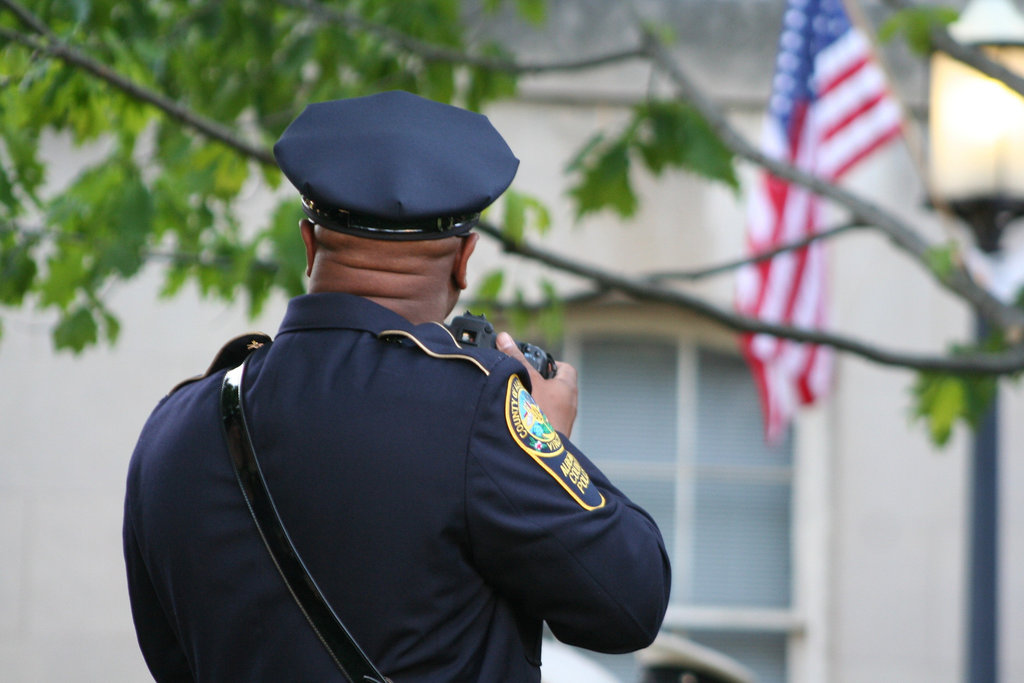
[{"x": 337, "y": 310}]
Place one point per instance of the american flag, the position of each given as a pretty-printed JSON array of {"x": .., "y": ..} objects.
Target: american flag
[{"x": 829, "y": 109}]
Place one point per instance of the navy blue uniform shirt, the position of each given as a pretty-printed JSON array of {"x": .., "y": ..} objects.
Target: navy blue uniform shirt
[{"x": 441, "y": 516}]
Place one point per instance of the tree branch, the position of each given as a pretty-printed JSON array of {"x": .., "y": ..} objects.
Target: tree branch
[
  {"x": 51, "y": 46},
  {"x": 970, "y": 55},
  {"x": 172, "y": 256},
  {"x": 435, "y": 53},
  {"x": 702, "y": 273},
  {"x": 30, "y": 20},
  {"x": 900, "y": 233},
  {"x": 904, "y": 236},
  {"x": 73, "y": 57},
  {"x": 1005, "y": 362}
]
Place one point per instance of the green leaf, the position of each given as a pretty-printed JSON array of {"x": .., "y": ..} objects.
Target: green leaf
[
  {"x": 942, "y": 400},
  {"x": 662, "y": 31},
  {"x": 21, "y": 145},
  {"x": 668, "y": 134},
  {"x": 486, "y": 85},
  {"x": 17, "y": 270},
  {"x": 674, "y": 134},
  {"x": 111, "y": 327},
  {"x": 916, "y": 25},
  {"x": 440, "y": 79},
  {"x": 76, "y": 330},
  {"x": 519, "y": 314},
  {"x": 490, "y": 286},
  {"x": 174, "y": 280},
  {"x": 521, "y": 212},
  {"x": 515, "y": 217},
  {"x": 259, "y": 276},
  {"x": 529, "y": 212},
  {"x": 578, "y": 163},
  {"x": 131, "y": 218},
  {"x": 605, "y": 182},
  {"x": 287, "y": 249},
  {"x": 7, "y": 193},
  {"x": 534, "y": 11},
  {"x": 224, "y": 170},
  {"x": 942, "y": 260},
  {"x": 551, "y": 317},
  {"x": 66, "y": 272}
]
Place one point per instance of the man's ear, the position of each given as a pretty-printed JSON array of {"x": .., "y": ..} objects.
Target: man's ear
[
  {"x": 462, "y": 259},
  {"x": 307, "y": 229}
]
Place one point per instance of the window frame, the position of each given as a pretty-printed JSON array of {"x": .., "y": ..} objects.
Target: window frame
[{"x": 805, "y": 623}]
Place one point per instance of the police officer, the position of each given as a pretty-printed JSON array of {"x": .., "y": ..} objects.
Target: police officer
[{"x": 430, "y": 489}]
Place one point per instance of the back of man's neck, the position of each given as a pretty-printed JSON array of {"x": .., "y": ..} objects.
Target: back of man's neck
[{"x": 415, "y": 310}]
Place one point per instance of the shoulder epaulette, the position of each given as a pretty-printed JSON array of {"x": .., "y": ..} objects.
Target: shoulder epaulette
[
  {"x": 435, "y": 350},
  {"x": 230, "y": 355}
]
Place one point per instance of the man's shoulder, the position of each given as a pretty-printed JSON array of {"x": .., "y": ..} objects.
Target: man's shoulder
[
  {"x": 435, "y": 341},
  {"x": 229, "y": 356}
]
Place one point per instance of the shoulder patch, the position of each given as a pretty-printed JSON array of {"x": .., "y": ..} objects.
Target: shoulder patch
[{"x": 533, "y": 433}]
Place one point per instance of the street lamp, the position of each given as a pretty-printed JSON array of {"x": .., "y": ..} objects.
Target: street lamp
[
  {"x": 977, "y": 170},
  {"x": 977, "y": 124}
]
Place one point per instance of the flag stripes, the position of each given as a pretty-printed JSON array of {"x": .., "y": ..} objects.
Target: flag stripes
[{"x": 829, "y": 109}]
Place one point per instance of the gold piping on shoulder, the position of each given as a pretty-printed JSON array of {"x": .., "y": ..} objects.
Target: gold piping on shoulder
[
  {"x": 448, "y": 332},
  {"x": 434, "y": 354}
]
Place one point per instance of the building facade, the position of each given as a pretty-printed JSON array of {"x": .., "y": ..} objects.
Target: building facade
[{"x": 837, "y": 555}]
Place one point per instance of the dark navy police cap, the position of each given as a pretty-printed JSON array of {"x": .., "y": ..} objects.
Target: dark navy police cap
[{"x": 395, "y": 166}]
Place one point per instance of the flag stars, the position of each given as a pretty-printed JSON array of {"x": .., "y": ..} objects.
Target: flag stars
[
  {"x": 791, "y": 40},
  {"x": 784, "y": 82},
  {"x": 779, "y": 105},
  {"x": 795, "y": 20},
  {"x": 787, "y": 61}
]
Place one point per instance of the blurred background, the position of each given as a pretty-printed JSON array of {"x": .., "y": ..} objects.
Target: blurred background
[{"x": 143, "y": 227}]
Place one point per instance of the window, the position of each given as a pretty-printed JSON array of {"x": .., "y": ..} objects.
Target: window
[{"x": 678, "y": 429}]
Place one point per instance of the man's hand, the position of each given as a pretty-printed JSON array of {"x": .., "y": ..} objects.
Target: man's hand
[{"x": 557, "y": 396}]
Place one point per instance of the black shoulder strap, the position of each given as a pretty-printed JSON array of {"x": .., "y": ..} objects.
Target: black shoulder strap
[{"x": 343, "y": 649}]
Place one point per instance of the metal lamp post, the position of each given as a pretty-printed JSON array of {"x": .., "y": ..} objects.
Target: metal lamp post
[{"x": 977, "y": 170}]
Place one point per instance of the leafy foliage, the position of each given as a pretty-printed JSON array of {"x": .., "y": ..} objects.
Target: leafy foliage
[
  {"x": 663, "y": 135},
  {"x": 157, "y": 190}
]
